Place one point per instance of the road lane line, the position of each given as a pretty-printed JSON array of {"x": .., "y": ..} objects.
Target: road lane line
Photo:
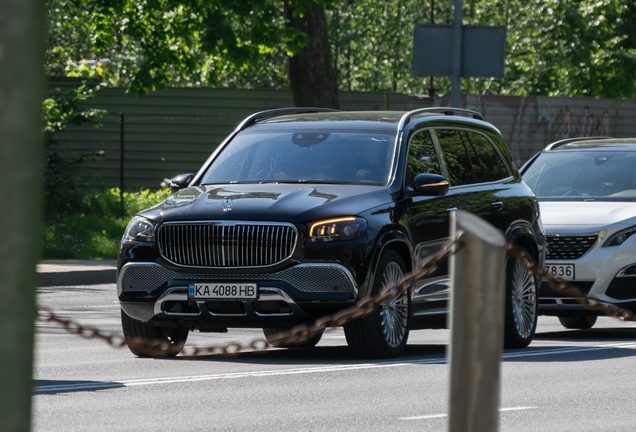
[
  {"x": 434, "y": 416},
  {"x": 54, "y": 388}
]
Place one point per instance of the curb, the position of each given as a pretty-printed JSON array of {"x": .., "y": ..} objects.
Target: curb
[{"x": 76, "y": 272}]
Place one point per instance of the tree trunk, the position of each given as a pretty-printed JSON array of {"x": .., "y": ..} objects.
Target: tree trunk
[
  {"x": 21, "y": 163},
  {"x": 311, "y": 74}
]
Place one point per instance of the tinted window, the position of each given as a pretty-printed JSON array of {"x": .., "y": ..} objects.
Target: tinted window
[
  {"x": 494, "y": 168},
  {"x": 583, "y": 176},
  {"x": 304, "y": 156},
  {"x": 422, "y": 157},
  {"x": 458, "y": 160}
]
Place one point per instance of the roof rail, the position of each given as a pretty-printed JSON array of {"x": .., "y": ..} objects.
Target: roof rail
[
  {"x": 277, "y": 112},
  {"x": 440, "y": 110},
  {"x": 569, "y": 140}
]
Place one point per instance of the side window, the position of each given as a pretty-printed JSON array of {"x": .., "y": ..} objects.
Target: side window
[
  {"x": 422, "y": 157},
  {"x": 455, "y": 150},
  {"x": 494, "y": 167}
]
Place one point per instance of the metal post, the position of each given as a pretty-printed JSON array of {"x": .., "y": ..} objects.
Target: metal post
[
  {"x": 456, "y": 77},
  {"x": 431, "y": 89},
  {"x": 121, "y": 162},
  {"x": 22, "y": 25},
  {"x": 477, "y": 320}
]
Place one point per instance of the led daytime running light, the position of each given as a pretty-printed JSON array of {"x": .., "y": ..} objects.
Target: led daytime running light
[{"x": 329, "y": 221}]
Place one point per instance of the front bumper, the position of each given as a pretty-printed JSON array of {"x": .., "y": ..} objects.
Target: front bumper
[
  {"x": 607, "y": 273},
  {"x": 150, "y": 292}
]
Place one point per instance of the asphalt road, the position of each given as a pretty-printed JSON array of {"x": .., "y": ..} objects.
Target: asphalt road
[{"x": 565, "y": 381}]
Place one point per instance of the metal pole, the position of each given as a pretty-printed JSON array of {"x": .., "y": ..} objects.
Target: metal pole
[
  {"x": 22, "y": 25},
  {"x": 431, "y": 88},
  {"x": 456, "y": 77},
  {"x": 121, "y": 162},
  {"x": 477, "y": 320}
]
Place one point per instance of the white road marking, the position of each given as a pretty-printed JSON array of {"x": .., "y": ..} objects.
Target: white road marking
[
  {"x": 53, "y": 388},
  {"x": 434, "y": 416}
]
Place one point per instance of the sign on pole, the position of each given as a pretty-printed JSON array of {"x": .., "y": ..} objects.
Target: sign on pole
[{"x": 483, "y": 53}]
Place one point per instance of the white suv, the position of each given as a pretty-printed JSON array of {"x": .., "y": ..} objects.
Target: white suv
[{"x": 587, "y": 191}]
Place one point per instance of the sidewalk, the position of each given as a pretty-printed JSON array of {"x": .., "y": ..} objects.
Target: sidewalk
[{"x": 76, "y": 272}]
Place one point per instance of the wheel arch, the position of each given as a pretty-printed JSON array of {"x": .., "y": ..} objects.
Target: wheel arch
[{"x": 395, "y": 240}]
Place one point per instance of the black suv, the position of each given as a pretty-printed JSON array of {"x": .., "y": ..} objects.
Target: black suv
[{"x": 300, "y": 212}]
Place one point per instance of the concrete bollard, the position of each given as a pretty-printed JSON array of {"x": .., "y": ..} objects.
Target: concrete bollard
[{"x": 477, "y": 324}]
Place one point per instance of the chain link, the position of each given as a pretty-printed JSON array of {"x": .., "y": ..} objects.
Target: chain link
[{"x": 303, "y": 332}]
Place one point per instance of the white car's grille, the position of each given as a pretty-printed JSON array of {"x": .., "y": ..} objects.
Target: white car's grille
[
  {"x": 227, "y": 244},
  {"x": 569, "y": 248}
]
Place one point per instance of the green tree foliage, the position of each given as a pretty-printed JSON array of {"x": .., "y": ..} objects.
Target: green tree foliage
[
  {"x": 146, "y": 45},
  {"x": 63, "y": 111},
  {"x": 554, "y": 47}
]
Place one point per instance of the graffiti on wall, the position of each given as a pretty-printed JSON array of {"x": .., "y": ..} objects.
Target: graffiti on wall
[
  {"x": 529, "y": 123},
  {"x": 564, "y": 125}
]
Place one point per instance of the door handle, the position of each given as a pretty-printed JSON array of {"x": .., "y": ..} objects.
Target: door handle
[{"x": 497, "y": 205}]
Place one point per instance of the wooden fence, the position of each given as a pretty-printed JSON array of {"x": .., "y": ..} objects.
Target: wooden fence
[{"x": 173, "y": 131}]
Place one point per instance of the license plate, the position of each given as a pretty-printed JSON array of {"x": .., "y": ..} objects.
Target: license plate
[
  {"x": 223, "y": 291},
  {"x": 564, "y": 271}
]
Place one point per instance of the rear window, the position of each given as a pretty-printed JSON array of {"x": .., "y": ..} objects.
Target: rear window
[
  {"x": 304, "y": 156},
  {"x": 583, "y": 176}
]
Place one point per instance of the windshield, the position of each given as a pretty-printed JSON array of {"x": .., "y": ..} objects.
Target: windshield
[
  {"x": 583, "y": 176},
  {"x": 304, "y": 157}
]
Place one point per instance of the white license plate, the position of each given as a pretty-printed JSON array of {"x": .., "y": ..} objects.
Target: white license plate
[
  {"x": 564, "y": 271},
  {"x": 223, "y": 291}
]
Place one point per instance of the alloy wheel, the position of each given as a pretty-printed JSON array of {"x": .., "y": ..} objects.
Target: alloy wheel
[
  {"x": 394, "y": 311},
  {"x": 524, "y": 300}
]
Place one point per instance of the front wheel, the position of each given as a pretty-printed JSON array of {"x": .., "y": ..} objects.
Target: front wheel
[
  {"x": 522, "y": 307},
  {"x": 578, "y": 322},
  {"x": 384, "y": 333},
  {"x": 145, "y": 340}
]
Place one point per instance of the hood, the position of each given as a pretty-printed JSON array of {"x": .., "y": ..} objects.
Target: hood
[
  {"x": 268, "y": 202},
  {"x": 595, "y": 215}
]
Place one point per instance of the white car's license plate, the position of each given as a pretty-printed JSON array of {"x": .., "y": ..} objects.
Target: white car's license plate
[
  {"x": 223, "y": 291},
  {"x": 564, "y": 271}
]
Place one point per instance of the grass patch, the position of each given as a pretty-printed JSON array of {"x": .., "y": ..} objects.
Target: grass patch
[
  {"x": 83, "y": 236},
  {"x": 95, "y": 227}
]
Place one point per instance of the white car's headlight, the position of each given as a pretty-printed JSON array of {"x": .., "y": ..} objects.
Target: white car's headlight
[
  {"x": 619, "y": 238},
  {"x": 140, "y": 229}
]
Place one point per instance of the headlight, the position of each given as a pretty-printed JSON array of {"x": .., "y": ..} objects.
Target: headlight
[
  {"x": 344, "y": 228},
  {"x": 620, "y": 237},
  {"x": 140, "y": 229}
]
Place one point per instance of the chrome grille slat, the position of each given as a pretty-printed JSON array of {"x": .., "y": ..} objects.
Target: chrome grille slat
[{"x": 226, "y": 244}]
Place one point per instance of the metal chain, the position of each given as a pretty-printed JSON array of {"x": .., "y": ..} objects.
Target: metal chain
[{"x": 303, "y": 332}]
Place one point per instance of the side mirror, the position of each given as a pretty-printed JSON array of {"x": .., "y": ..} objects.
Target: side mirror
[
  {"x": 181, "y": 181},
  {"x": 430, "y": 184}
]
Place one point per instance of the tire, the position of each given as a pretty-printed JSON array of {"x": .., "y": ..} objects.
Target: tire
[
  {"x": 578, "y": 322},
  {"x": 271, "y": 332},
  {"x": 152, "y": 337},
  {"x": 522, "y": 306},
  {"x": 384, "y": 333}
]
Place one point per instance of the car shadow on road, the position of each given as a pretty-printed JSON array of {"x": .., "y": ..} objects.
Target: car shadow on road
[
  {"x": 320, "y": 355},
  {"x": 590, "y": 335}
]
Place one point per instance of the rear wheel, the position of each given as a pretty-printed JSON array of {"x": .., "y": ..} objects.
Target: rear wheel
[
  {"x": 384, "y": 333},
  {"x": 270, "y": 333},
  {"x": 522, "y": 307},
  {"x": 145, "y": 340},
  {"x": 578, "y": 322}
]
